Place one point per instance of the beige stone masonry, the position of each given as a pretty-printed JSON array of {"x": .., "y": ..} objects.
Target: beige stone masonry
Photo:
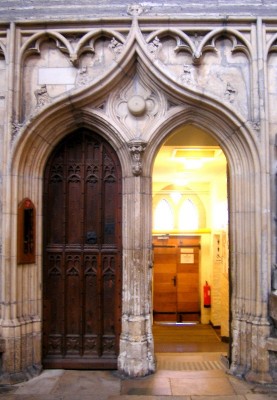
[{"x": 134, "y": 81}]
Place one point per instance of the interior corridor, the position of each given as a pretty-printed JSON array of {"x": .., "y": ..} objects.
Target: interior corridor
[{"x": 187, "y": 337}]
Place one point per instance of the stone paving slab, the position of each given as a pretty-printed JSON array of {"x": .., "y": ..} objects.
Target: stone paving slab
[
  {"x": 109, "y": 385},
  {"x": 215, "y": 397},
  {"x": 207, "y": 387},
  {"x": 126, "y": 397}
]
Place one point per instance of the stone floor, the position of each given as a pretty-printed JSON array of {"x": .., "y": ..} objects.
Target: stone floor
[
  {"x": 190, "y": 377},
  {"x": 191, "y": 365}
]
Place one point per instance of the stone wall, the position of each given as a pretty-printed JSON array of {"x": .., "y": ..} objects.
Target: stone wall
[
  {"x": 79, "y": 70},
  {"x": 11, "y": 10}
]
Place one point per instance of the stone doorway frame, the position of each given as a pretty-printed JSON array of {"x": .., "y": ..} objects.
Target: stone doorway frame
[
  {"x": 249, "y": 220},
  {"x": 248, "y": 302}
]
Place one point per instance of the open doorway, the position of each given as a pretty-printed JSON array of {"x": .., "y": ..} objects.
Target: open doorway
[{"x": 190, "y": 236}]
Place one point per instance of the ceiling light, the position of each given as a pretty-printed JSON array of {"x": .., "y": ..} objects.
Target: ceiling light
[{"x": 193, "y": 163}]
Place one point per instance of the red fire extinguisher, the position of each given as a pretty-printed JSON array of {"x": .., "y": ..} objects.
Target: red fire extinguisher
[{"x": 207, "y": 295}]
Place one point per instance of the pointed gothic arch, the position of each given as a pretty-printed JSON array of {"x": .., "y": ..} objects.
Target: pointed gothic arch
[
  {"x": 181, "y": 105},
  {"x": 240, "y": 148}
]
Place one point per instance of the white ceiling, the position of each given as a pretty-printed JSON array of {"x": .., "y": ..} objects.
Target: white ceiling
[{"x": 170, "y": 170}]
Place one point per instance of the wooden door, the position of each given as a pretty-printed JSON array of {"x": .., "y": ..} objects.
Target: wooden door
[
  {"x": 187, "y": 269},
  {"x": 82, "y": 254},
  {"x": 165, "y": 281},
  {"x": 176, "y": 278}
]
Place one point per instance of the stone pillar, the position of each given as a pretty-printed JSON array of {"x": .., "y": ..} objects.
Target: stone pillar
[
  {"x": 136, "y": 343},
  {"x": 250, "y": 325}
]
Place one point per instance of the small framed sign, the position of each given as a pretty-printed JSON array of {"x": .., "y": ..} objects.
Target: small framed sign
[{"x": 26, "y": 223}]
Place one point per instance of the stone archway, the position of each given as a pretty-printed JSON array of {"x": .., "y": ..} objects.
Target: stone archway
[
  {"x": 248, "y": 302},
  {"x": 29, "y": 160},
  {"x": 136, "y": 134}
]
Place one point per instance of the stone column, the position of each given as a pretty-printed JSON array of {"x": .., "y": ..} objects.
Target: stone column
[{"x": 136, "y": 344}]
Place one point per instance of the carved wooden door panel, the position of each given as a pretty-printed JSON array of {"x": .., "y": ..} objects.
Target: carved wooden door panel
[{"x": 82, "y": 254}]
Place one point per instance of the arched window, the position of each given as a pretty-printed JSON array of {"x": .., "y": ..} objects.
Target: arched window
[
  {"x": 163, "y": 217},
  {"x": 188, "y": 216}
]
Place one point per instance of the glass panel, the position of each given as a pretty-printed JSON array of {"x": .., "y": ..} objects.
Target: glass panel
[
  {"x": 188, "y": 216},
  {"x": 164, "y": 220}
]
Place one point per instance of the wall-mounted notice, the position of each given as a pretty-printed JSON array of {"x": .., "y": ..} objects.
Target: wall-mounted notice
[{"x": 187, "y": 256}]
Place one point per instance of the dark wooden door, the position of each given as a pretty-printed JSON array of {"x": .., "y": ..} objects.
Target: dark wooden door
[{"x": 82, "y": 254}]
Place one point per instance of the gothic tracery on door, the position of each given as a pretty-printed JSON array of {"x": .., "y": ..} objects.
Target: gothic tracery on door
[{"x": 82, "y": 254}]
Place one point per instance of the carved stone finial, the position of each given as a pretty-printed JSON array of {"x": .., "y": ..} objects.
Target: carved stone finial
[
  {"x": 42, "y": 97},
  {"x": 136, "y": 148},
  {"x": 134, "y": 9}
]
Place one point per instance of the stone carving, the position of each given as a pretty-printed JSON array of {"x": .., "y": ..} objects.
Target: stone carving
[
  {"x": 16, "y": 126},
  {"x": 136, "y": 105},
  {"x": 136, "y": 148},
  {"x": 192, "y": 47},
  {"x": 196, "y": 57},
  {"x": 135, "y": 9},
  {"x": 256, "y": 125},
  {"x": 143, "y": 104},
  {"x": 187, "y": 77},
  {"x": 154, "y": 46},
  {"x": 83, "y": 77},
  {"x": 42, "y": 97},
  {"x": 116, "y": 47},
  {"x": 230, "y": 93}
]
